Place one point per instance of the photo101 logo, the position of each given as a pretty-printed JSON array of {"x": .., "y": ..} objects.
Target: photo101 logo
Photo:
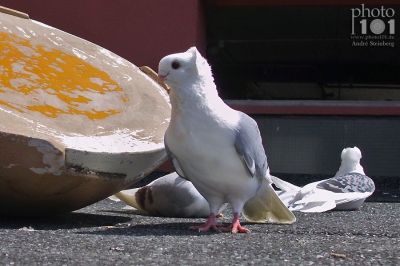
[{"x": 372, "y": 26}]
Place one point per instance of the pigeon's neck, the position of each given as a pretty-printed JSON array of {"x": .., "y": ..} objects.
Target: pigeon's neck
[
  {"x": 198, "y": 95},
  {"x": 350, "y": 167}
]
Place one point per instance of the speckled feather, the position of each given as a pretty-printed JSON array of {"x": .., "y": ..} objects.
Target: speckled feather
[{"x": 352, "y": 182}]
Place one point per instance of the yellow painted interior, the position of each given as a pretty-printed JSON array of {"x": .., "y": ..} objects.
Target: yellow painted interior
[{"x": 40, "y": 73}]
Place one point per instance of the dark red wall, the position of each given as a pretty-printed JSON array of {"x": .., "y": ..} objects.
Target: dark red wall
[{"x": 141, "y": 31}]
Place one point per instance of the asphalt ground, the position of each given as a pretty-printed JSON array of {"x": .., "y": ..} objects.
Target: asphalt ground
[{"x": 103, "y": 234}]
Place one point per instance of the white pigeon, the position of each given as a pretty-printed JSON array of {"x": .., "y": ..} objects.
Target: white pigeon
[
  {"x": 347, "y": 190},
  {"x": 215, "y": 147},
  {"x": 169, "y": 196}
]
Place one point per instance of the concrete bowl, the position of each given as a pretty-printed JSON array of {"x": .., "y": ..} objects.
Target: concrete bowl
[{"x": 77, "y": 122}]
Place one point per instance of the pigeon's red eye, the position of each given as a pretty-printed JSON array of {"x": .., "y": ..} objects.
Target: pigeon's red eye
[{"x": 175, "y": 65}]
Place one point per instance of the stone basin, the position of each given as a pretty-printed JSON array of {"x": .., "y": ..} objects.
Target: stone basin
[{"x": 78, "y": 123}]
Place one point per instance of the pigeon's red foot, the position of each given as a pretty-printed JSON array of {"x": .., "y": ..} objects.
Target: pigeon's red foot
[
  {"x": 235, "y": 227},
  {"x": 211, "y": 223}
]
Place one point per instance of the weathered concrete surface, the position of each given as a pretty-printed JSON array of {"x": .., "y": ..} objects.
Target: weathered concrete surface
[
  {"x": 103, "y": 235},
  {"x": 77, "y": 122}
]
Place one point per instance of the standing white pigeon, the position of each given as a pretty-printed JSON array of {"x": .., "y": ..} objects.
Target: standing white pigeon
[
  {"x": 169, "y": 196},
  {"x": 347, "y": 190},
  {"x": 215, "y": 147}
]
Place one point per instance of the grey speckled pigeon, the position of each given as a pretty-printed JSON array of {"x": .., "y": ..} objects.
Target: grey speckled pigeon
[{"x": 347, "y": 190}]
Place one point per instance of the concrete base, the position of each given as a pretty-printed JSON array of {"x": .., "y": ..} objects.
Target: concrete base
[{"x": 77, "y": 122}]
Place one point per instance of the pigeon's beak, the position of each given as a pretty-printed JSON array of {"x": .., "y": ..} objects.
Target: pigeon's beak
[{"x": 161, "y": 76}]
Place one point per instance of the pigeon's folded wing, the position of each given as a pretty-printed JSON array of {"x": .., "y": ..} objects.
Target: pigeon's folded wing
[
  {"x": 352, "y": 182},
  {"x": 247, "y": 144}
]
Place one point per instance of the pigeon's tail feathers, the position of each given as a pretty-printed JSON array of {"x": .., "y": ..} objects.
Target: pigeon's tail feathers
[
  {"x": 129, "y": 197},
  {"x": 114, "y": 198},
  {"x": 267, "y": 207},
  {"x": 283, "y": 185}
]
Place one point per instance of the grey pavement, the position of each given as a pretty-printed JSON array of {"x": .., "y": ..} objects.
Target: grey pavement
[{"x": 102, "y": 234}]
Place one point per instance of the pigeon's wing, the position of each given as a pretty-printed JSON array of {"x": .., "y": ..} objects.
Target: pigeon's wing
[
  {"x": 249, "y": 146},
  {"x": 175, "y": 162},
  {"x": 285, "y": 186},
  {"x": 266, "y": 206},
  {"x": 352, "y": 182},
  {"x": 310, "y": 199}
]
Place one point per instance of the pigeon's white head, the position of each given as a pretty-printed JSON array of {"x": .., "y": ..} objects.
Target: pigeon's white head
[
  {"x": 185, "y": 69},
  {"x": 350, "y": 161},
  {"x": 351, "y": 154}
]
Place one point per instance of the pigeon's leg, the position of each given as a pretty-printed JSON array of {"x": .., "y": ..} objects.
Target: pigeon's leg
[
  {"x": 211, "y": 223},
  {"x": 235, "y": 226}
]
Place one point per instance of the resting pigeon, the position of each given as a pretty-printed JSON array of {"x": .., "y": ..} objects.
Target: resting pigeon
[
  {"x": 347, "y": 190},
  {"x": 169, "y": 196},
  {"x": 215, "y": 147}
]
